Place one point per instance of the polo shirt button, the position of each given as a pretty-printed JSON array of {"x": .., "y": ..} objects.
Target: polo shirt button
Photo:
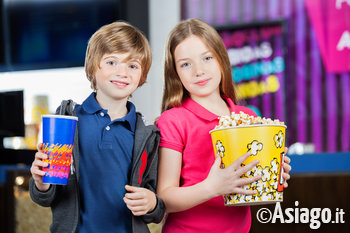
[
  {"x": 108, "y": 128},
  {"x": 102, "y": 114}
]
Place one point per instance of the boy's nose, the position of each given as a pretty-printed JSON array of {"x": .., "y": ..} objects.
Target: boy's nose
[{"x": 122, "y": 69}]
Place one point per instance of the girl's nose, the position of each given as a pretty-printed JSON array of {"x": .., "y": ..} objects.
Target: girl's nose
[{"x": 199, "y": 70}]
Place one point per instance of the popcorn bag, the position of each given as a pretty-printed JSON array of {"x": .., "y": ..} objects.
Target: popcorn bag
[{"x": 265, "y": 139}]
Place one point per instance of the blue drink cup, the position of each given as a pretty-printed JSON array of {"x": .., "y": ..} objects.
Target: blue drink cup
[{"x": 58, "y": 138}]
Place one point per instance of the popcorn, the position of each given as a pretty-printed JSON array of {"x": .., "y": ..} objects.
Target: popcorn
[
  {"x": 266, "y": 187},
  {"x": 243, "y": 119}
]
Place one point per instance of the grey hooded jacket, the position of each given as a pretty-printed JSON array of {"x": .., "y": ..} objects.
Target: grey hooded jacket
[{"x": 64, "y": 199}]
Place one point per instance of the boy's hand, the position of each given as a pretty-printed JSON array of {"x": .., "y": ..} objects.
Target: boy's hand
[
  {"x": 286, "y": 168},
  {"x": 36, "y": 171},
  {"x": 139, "y": 200}
]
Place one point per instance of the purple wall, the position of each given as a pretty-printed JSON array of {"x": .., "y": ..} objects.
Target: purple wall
[{"x": 317, "y": 103}]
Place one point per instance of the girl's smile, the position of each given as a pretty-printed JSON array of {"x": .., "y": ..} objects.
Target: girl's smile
[{"x": 202, "y": 82}]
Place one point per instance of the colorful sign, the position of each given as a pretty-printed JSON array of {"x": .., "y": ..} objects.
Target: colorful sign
[
  {"x": 331, "y": 21},
  {"x": 257, "y": 60}
]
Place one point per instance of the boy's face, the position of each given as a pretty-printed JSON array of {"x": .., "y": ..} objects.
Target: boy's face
[{"x": 116, "y": 77}]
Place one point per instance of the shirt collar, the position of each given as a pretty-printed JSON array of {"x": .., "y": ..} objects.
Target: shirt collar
[
  {"x": 202, "y": 112},
  {"x": 131, "y": 116},
  {"x": 91, "y": 106}
]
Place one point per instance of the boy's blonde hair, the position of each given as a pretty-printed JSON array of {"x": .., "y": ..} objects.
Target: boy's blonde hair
[
  {"x": 117, "y": 37},
  {"x": 174, "y": 92}
]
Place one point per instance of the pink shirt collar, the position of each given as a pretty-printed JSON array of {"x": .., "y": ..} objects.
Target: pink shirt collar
[{"x": 202, "y": 112}]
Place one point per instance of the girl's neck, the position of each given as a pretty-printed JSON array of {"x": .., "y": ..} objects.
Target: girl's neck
[
  {"x": 116, "y": 108},
  {"x": 213, "y": 103}
]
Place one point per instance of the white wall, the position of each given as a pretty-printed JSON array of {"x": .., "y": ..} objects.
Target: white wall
[
  {"x": 57, "y": 84},
  {"x": 164, "y": 15},
  {"x": 71, "y": 83}
]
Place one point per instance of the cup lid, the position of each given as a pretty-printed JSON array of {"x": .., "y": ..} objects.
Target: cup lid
[{"x": 59, "y": 116}]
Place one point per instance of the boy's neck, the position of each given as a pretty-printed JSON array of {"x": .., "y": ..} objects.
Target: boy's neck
[{"x": 116, "y": 107}]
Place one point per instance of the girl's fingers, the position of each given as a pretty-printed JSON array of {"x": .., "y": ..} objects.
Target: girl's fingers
[
  {"x": 245, "y": 192},
  {"x": 246, "y": 168},
  {"x": 287, "y": 168},
  {"x": 244, "y": 181},
  {"x": 286, "y": 159},
  {"x": 236, "y": 164},
  {"x": 286, "y": 176}
]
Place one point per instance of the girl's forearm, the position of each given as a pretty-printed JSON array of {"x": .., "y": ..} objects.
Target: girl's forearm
[{"x": 182, "y": 198}]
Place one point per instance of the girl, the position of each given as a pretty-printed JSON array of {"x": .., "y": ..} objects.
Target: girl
[{"x": 198, "y": 89}]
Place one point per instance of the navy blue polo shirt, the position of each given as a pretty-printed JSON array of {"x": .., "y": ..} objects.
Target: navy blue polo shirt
[{"x": 105, "y": 159}]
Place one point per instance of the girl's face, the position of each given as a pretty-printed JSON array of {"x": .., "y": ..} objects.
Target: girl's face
[
  {"x": 117, "y": 77},
  {"x": 198, "y": 69}
]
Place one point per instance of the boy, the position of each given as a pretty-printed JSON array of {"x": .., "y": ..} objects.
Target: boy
[{"x": 112, "y": 146}]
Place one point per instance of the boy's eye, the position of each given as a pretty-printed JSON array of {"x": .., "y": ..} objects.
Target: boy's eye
[
  {"x": 112, "y": 63},
  {"x": 134, "y": 66}
]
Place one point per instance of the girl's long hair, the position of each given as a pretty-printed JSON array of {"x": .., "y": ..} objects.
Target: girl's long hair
[{"x": 174, "y": 92}]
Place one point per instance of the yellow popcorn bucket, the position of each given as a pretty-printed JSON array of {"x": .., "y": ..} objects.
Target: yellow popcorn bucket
[{"x": 266, "y": 143}]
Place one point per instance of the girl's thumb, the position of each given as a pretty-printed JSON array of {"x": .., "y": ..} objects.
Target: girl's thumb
[{"x": 217, "y": 161}]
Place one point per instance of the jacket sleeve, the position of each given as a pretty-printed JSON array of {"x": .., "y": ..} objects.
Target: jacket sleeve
[
  {"x": 150, "y": 182},
  {"x": 42, "y": 198},
  {"x": 46, "y": 198}
]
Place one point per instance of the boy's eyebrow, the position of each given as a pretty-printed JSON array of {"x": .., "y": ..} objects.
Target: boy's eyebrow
[
  {"x": 110, "y": 56},
  {"x": 126, "y": 59}
]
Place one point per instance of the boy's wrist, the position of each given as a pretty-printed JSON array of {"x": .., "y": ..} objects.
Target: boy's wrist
[{"x": 42, "y": 187}]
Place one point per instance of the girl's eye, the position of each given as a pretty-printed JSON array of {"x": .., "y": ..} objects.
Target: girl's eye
[
  {"x": 208, "y": 58},
  {"x": 185, "y": 64}
]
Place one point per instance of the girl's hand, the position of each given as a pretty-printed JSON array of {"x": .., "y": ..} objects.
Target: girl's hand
[
  {"x": 139, "y": 200},
  {"x": 36, "y": 169},
  {"x": 286, "y": 168},
  {"x": 228, "y": 180}
]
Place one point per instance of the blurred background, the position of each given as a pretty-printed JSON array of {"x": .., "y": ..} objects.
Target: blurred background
[{"x": 290, "y": 60}]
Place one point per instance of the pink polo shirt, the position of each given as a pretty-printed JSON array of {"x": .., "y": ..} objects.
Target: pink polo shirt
[{"x": 186, "y": 129}]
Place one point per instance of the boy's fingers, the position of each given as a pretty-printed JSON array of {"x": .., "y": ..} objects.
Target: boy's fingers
[
  {"x": 40, "y": 163},
  {"x": 40, "y": 155},
  {"x": 40, "y": 146},
  {"x": 133, "y": 189}
]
